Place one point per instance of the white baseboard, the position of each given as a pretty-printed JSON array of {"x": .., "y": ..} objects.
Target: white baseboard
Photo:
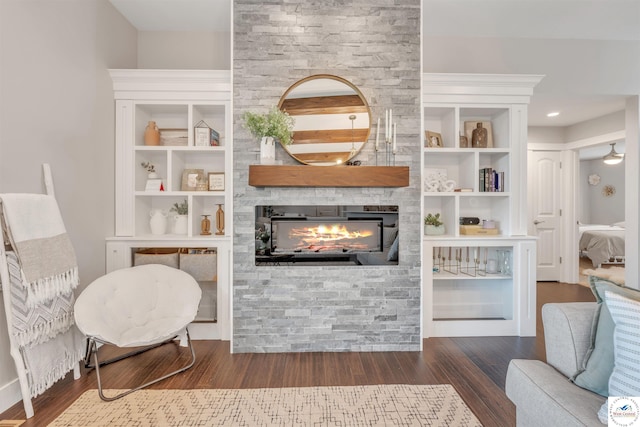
[{"x": 10, "y": 395}]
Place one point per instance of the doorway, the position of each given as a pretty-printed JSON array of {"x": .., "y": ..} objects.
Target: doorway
[{"x": 546, "y": 196}]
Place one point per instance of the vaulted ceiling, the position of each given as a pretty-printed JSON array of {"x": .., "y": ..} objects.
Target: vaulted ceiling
[{"x": 612, "y": 20}]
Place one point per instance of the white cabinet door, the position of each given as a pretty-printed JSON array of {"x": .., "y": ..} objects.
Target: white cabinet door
[{"x": 545, "y": 202}]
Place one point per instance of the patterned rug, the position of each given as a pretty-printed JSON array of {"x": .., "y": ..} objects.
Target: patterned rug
[{"x": 373, "y": 405}]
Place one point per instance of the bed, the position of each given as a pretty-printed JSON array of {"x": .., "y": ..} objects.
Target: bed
[{"x": 602, "y": 244}]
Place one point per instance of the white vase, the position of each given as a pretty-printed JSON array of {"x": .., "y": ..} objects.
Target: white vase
[
  {"x": 158, "y": 221},
  {"x": 267, "y": 150},
  {"x": 180, "y": 224}
]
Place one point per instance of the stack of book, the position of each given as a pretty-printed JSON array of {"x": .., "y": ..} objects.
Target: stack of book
[
  {"x": 173, "y": 137},
  {"x": 477, "y": 230},
  {"x": 491, "y": 180}
]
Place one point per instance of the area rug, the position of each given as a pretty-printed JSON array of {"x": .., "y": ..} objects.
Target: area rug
[
  {"x": 609, "y": 272},
  {"x": 372, "y": 405},
  {"x": 614, "y": 274}
]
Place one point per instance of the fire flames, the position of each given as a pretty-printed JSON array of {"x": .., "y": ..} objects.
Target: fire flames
[{"x": 329, "y": 237}]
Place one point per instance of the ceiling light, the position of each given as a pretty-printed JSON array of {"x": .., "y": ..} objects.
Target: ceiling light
[
  {"x": 553, "y": 114},
  {"x": 613, "y": 158}
]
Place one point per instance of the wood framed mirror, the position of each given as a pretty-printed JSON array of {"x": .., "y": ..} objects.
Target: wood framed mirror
[{"x": 332, "y": 120}]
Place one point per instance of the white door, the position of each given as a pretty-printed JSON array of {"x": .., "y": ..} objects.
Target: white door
[{"x": 545, "y": 211}]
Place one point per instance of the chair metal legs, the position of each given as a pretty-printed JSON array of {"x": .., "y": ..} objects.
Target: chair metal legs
[{"x": 92, "y": 348}]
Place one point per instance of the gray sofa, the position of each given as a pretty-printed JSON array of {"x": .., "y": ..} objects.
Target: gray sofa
[{"x": 542, "y": 392}]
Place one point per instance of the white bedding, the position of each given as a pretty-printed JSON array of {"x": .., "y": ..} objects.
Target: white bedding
[{"x": 601, "y": 243}]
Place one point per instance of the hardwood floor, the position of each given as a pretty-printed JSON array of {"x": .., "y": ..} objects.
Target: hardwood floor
[{"x": 476, "y": 367}]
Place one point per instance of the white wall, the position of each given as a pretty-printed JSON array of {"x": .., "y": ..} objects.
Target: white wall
[
  {"x": 56, "y": 106},
  {"x": 603, "y": 125},
  {"x": 184, "y": 50},
  {"x": 570, "y": 66}
]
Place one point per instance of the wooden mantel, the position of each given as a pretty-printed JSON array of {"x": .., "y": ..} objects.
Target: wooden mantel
[{"x": 328, "y": 176}]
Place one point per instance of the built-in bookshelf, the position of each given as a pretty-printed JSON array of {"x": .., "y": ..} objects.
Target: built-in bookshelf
[
  {"x": 484, "y": 179},
  {"x": 191, "y": 167}
]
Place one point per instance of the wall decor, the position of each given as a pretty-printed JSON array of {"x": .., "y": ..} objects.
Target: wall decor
[
  {"x": 594, "y": 179},
  {"x": 216, "y": 181},
  {"x": 433, "y": 139},
  {"x": 323, "y": 133},
  {"x": 190, "y": 178},
  {"x": 608, "y": 190}
]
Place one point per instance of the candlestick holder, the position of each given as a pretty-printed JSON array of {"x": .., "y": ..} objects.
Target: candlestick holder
[
  {"x": 389, "y": 139},
  {"x": 470, "y": 263},
  {"x": 452, "y": 263}
]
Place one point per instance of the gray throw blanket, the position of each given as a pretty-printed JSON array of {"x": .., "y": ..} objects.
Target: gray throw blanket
[{"x": 37, "y": 233}]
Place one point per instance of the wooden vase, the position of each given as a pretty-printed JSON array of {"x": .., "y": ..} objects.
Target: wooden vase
[{"x": 220, "y": 221}]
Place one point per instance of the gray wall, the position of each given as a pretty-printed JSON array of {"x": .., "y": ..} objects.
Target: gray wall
[
  {"x": 374, "y": 44},
  {"x": 594, "y": 207},
  {"x": 56, "y": 106}
]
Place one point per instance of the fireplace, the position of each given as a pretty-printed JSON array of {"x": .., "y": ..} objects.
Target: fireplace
[
  {"x": 328, "y": 235},
  {"x": 325, "y": 235}
]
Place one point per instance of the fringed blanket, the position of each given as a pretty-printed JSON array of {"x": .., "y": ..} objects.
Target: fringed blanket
[
  {"x": 49, "y": 341},
  {"x": 34, "y": 325},
  {"x": 36, "y": 231}
]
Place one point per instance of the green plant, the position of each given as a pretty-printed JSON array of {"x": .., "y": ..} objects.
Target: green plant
[
  {"x": 262, "y": 234},
  {"x": 275, "y": 123},
  {"x": 180, "y": 208},
  {"x": 431, "y": 219}
]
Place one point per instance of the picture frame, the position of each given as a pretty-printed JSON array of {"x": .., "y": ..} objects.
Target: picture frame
[
  {"x": 433, "y": 139},
  {"x": 190, "y": 178},
  {"x": 216, "y": 181},
  {"x": 201, "y": 136},
  {"x": 469, "y": 126},
  {"x": 204, "y": 135}
]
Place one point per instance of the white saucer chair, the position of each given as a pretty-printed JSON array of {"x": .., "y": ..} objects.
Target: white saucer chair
[{"x": 143, "y": 307}]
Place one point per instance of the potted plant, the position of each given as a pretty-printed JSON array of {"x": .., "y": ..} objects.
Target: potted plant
[
  {"x": 433, "y": 226},
  {"x": 180, "y": 226},
  {"x": 269, "y": 127},
  {"x": 151, "y": 169}
]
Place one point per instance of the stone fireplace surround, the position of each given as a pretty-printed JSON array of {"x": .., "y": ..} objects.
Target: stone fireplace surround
[{"x": 375, "y": 45}]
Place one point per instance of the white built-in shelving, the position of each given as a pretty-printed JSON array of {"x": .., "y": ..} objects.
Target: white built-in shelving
[
  {"x": 480, "y": 303},
  {"x": 174, "y": 99}
]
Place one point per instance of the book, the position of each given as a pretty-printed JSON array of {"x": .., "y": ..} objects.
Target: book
[
  {"x": 477, "y": 230},
  {"x": 215, "y": 138}
]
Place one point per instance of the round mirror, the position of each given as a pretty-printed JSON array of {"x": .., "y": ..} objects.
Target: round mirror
[{"x": 332, "y": 120}]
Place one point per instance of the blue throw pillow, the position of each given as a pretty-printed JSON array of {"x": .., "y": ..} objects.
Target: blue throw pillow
[{"x": 598, "y": 363}]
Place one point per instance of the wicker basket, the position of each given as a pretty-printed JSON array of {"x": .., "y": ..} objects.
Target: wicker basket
[
  {"x": 202, "y": 266},
  {"x": 164, "y": 256}
]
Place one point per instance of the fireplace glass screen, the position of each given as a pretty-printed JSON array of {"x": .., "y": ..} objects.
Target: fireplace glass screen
[{"x": 328, "y": 235}]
